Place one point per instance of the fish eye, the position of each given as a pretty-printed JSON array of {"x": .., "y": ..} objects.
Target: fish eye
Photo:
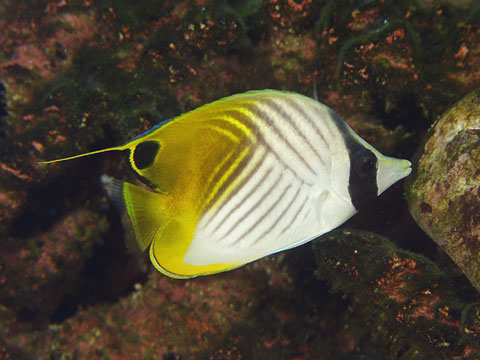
[
  {"x": 366, "y": 166},
  {"x": 144, "y": 154}
]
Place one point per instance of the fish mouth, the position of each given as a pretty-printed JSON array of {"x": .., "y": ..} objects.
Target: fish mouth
[
  {"x": 390, "y": 170},
  {"x": 407, "y": 168}
]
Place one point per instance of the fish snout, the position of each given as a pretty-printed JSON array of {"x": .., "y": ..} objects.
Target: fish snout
[{"x": 390, "y": 170}]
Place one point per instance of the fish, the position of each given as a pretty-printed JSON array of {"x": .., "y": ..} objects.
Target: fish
[{"x": 245, "y": 177}]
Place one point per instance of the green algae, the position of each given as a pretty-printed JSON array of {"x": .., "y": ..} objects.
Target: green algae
[
  {"x": 133, "y": 14},
  {"x": 111, "y": 97},
  {"x": 430, "y": 48}
]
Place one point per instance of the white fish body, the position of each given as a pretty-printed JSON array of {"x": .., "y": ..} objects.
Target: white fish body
[{"x": 293, "y": 189}]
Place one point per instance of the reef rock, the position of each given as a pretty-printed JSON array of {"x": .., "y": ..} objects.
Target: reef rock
[
  {"x": 401, "y": 305},
  {"x": 444, "y": 194}
]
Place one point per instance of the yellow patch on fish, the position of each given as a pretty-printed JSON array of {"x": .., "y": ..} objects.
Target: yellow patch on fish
[{"x": 244, "y": 177}]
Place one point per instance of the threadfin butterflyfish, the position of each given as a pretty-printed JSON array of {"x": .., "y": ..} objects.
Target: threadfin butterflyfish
[{"x": 244, "y": 177}]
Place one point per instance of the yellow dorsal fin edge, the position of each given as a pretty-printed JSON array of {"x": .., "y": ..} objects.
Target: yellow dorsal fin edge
[{"x": 115, "y": 148}]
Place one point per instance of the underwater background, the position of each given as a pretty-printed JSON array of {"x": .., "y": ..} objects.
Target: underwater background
[{"x": 400, "y": 280}]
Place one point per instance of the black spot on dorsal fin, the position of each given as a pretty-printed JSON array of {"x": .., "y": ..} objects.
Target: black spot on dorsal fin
[{"x": 144, "y": 154}]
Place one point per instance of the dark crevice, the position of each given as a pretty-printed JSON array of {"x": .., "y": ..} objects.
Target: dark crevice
[
  {"x": 3, "y": 101},
  {"x": 27, "y": 315},
  {"x": 109, "y": 274},
  {"x": 3, "y": 110},
  {"x": 46, "y": 204},
  {"x": 406, "y": 112},
  {"x": 75, "y": 187}
]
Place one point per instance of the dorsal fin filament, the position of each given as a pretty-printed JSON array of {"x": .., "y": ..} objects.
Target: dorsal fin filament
[{"x": 115, "y": 148}]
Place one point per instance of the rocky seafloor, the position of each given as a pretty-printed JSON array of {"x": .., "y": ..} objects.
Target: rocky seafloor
[{"x": 397, "y": 281}]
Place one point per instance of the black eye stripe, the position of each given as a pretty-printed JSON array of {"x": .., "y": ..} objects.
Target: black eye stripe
[
  {"x": 362, "y": 189},
  {"x": 363, "y": 176},
  {"x": 144, "y": 154}
]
